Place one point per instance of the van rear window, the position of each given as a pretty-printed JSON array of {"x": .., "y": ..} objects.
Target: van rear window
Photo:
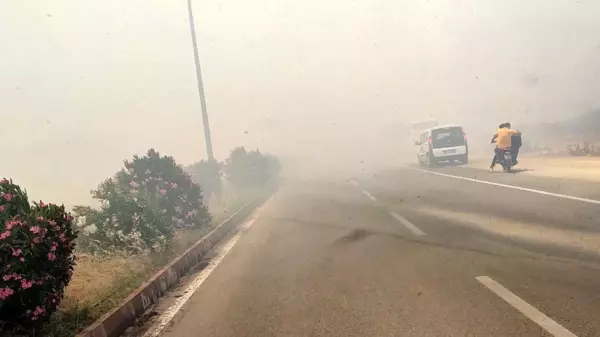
[{"x": 448, "y": 137}]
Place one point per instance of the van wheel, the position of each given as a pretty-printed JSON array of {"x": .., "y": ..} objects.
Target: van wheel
[{"x": 430, "y": 162}]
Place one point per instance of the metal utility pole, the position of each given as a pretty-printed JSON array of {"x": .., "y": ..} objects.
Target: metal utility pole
[{"x": 207, "y": 137}]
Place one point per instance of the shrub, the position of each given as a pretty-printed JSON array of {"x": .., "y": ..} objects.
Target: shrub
[
  {"x": 36, "y": 257},
  {"x": 143, "y": 204},
  {"x": 246, "y": 169}
]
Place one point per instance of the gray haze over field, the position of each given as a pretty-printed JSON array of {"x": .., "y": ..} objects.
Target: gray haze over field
[{"x": 85, "y": 84}]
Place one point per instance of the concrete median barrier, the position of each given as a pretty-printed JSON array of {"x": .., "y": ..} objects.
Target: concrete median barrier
[{"x": 114, "y": 323}]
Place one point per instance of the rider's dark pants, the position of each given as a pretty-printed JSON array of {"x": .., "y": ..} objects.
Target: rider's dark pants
[{"x": 515, "y": 154}]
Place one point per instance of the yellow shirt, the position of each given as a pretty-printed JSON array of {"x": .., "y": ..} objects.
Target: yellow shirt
[{"x": 504, "y": 138}]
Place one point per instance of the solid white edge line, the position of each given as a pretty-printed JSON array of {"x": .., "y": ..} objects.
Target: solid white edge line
[
  {"x": 353, "y": 183},
  {"x": 557, "y": 195},
  {"x": 407, "y": 223},
  {"x": 525, "y": 308},
  {"x": 165, "y": 318},
  {"x": 369, "y": 195}
]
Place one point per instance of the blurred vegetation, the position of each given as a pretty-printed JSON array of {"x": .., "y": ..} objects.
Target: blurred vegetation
[{"x": 141, "y": 225}]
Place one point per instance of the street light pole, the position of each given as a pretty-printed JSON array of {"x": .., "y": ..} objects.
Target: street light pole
[{"x": 207, "y": 137}]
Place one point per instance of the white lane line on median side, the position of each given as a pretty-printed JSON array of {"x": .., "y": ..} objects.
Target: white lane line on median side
[
  {"x": 165, "y": 318},
  {"x": 407, "y": 223},
  {"x": 557, "y": 195},
  {"x": 525, "y": 308},
  {"x": 369, "y": 195}
]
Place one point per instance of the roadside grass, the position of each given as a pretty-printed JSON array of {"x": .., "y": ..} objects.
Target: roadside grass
[{"x": 100, "y": 283}]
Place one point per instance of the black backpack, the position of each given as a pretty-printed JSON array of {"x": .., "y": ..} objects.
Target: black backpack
[{"x": 516, "y": 141}]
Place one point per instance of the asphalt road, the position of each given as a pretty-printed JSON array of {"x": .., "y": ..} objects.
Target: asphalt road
[{"x": 402, "y": 252}]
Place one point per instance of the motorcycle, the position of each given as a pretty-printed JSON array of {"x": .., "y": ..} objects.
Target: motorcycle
[
  {"x": 505, "y": 157},
  {"x": 506, "y": 160}
]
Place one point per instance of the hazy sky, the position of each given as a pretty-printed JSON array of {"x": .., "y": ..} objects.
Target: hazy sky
[{"x": 85, "y": 84}]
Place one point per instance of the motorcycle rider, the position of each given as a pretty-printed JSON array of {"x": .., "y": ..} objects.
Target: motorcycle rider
[{"x": 503, "y": 139}]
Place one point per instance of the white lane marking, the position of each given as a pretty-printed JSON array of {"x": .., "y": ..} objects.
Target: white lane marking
[
  {"x": 407, "y": 223},
  {"x": 353, "y": 182},
  {"x": 369, "y": 195},
  {"x": 525, "y": 308},
  {"x": 558, "y": 195},
  {"x": 165, "y": 318}
]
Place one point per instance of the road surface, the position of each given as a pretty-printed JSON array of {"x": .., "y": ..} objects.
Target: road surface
[{"x": 406, "y": 252}]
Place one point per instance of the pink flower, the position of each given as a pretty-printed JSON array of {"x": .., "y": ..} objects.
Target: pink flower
[
  {"x": 42, "y": 205},
  {"x": 68, "y": 217},
  {"x": 16, "y": 252},
  {"x": 52, "y": 223},
  {"x": 14, "y": 222},
  {"x": 62, "y": 237},
  {"x": 5, "y": 235},
  {"x": 22, "y": 259},
  {"x": 53, "y": 248},
  {"x": 41, "y": 218},
  {"x": 8, "y": 277},
  {"x": 4, "y": 181},
  {"x": 133, "y": 184},
  {"x": 1, "y": 208},
  {"x": 5, "y": 293},
  {"x": 11, "y": 223},
  {"x": 38, "y": 311},
  {"x": 11, "y": 276},
  {"x": 26, "y": 284},
  {"x": 51, "y": 256},
  {"x": 35, "y": 229},
  {"x": 163, "y": 191},
  {"x": 6, "y": 196}
]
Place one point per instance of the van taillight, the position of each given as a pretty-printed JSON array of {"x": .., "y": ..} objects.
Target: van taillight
[
  {"x": 429, "y": 140},
  {"x": 465, "y": 135}
]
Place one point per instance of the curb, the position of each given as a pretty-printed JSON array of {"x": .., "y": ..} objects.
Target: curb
[{"x": 114, "y": 323}]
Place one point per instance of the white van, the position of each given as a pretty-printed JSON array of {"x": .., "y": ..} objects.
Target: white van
[{"x": 442, "y": 143}]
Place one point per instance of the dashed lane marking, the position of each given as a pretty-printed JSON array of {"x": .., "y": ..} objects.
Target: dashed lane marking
[{"x": 525, "y": 308}]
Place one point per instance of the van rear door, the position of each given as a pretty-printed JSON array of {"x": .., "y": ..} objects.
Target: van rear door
[
  {"x": 447, "y": 137},
  {"x": 448, "y": 141}
]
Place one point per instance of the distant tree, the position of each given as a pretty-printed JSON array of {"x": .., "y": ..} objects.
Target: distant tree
[
  {"x": 208, "y": 175},
  {"x": 245, "y": 169}
]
